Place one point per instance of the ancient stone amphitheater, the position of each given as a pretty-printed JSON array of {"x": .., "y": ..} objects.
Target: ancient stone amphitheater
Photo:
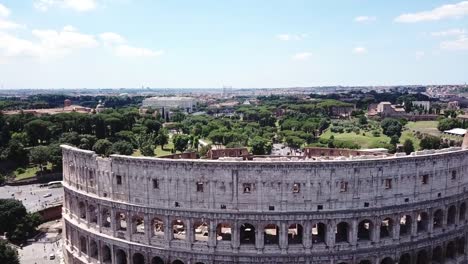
[{"x": 341, "y": 210}]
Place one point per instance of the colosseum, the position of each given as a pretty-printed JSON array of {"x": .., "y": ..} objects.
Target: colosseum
[{"x": 336, "y": 210}]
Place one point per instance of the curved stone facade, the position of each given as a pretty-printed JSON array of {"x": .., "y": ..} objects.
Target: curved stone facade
[{"x": 136, "y": 210}]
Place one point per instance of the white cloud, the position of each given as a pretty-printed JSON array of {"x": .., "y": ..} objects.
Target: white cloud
[
  {"x": 7, "y": 24},
  {"x": 457, "y": 10},
  {"x": 48, "y": 43},
  {"x": 419, "y": 54},
  {"x": 364, "y": 19},
  {"x": 359, "y": 50},
  {"x": 449, "y": 32},
  {"x": 134, "y": 52},
  {"x": 287, "y": 37},
  {"x": 112, "y": 38},
  {"x": 461, "y": 43},
  {"x": 4, "y": 11},
  {"x": 77, "y": 5},
  {"x": 302, "y": 56}
]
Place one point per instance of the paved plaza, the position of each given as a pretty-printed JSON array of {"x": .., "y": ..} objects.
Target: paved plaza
[{"x": 32, "y": 196}]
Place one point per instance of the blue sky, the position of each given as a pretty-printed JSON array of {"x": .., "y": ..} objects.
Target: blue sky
[{"x": 242, "y": 43}]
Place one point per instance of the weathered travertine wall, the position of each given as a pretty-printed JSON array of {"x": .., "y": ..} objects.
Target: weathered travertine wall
[{"x": 405, "y": 209}]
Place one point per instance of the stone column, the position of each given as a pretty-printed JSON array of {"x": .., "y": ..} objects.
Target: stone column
[
  {"x": 430, "y": 224},
  {"x": 353, "y": 232},
  {"x": 330, "y": 234},
  {"x": 376, "y": 232},
  {"x": 99, "y": 217},
  {"x": 235, "y": 239},
  {"x": 129, "y": 231},
  {"x": 396, "y": 228},
  {"x": 259, "y": 239},
  {"x": 212, "y": 235},
  {"x": 113, "y": 221},
  {"x": 168, "y": 232},
  {"x": 414, "y": 224},
  {"x": 148, "y": 228},
  {"x": 307, "y": 236},
  {"x": 189, "y": 232},
  {"x": 283, "y": 237}
]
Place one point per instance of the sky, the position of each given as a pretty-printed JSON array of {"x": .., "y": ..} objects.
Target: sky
[{"x": 242, "y": 43}]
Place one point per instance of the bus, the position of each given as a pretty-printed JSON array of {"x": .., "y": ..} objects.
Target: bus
[{"x": 54, "y": 184}]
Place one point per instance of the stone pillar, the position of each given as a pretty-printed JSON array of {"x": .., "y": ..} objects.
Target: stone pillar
[
  {"x": 283, "y": 237},
  {"x": 168, "y": 232},
  {"x": 414, "y": 224},
  {"x": 129, "y": 231},
  {"x": 376, "y": 232},
  {"x": 212, "y": 235},
  {"x": 353, "y": 232},
  {"x": 330, "y": 234},
  {"x": 457, "y": 215},
  {"x": 430, "y": 224},
  {"x": 235, "y": 239},
  {"x": 189, "y": 232},
  {"x": 396, "y": 228},
  {"x": 99, "y": 217},
  {"x": 259, "y": 238},
  {"x": 148, "y": 228},
  {"x": 113, "y": 219},
  {"x": 307, "y": 236},
  {"x": 113, "y": 260}
]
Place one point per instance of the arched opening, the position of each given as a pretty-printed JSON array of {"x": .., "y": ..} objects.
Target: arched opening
[
  {"x": 451, "y": 251},
  {"x": 138, "y": 258},
  {"x": 422, "y": 222},
  {"x": 462, "y": 212},
  {"x": 177, "y": 262},
  {"x": 83, "y": 246},
  {"x": 138, "y": 224},
  {"x": 319, "y": 233},
  {"x": 405, "y": 225},
  {"x": 422, "y": 257},
  {"x": 121, "y": 257},
  {"x": 438, "y": 218},
  {"x": 386, "y": 228},
  {"x": 158, "y": 228},
  {"x": 451, "y": 215},
  {"x": 387, "y": 260},
  {"x": 247, "y": 234},
  {"x": 437, "y": 255},
  {"x": 121, "y": 220},
  {"x": 461, "y": 245},
  {"x": 201, "y": 231},
  {"x": 405, "y": 259},
  {"x": 93, "y": 213},
  {"x": 295, "y": 233},
  {"x": 106, "y": 254},
  {"x": 106, "y": 218},
  {"x": 178, "y": 229},
  {"x": 82, "y": 208},
  {"x": 365, "y": 262},
  {"x": 271, "y": 234},
  {"x": 93, "y": 249},
  {"x": 342, "y": 231},
  {"x": 223, "y": 232},
  {"x": 157, "y": 260},
  {"x": 365, "y": 230}
]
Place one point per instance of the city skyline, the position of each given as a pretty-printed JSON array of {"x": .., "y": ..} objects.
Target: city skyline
[{"x": 125, "y": 43}]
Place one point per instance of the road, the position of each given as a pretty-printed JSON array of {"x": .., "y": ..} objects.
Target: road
[
  {"x": 39, "y": 253},
  {"x": 32, "y": 196}
]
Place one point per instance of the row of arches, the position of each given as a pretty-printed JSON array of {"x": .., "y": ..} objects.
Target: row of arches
[
  {"x": 320, "y": 232},
  {"x": 437, "y": 254}
]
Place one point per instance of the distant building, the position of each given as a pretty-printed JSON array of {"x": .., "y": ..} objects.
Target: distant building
[
  {"x": 426, "y": 105},
  {"x": 67, "y": 103},
  {"x": 228, "y": 152},
  {"x": 453, "y": 105},
  {"x": 170, "y": 103},
  {"x": 342, "y": 111},
  {"x": 386, "y": 109}
]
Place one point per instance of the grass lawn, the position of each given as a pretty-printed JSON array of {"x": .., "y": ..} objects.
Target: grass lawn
[
  {"x": 408, "y": 134},
  {"x": 364, "y": 141},
  {"x": 29, "y": 172},
  {"x": 429, "y": 127}
]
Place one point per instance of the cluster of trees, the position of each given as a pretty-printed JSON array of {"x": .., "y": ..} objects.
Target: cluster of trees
[
  {"x": 17, "y": 223},
  {"x": 8, "y": 255}
]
